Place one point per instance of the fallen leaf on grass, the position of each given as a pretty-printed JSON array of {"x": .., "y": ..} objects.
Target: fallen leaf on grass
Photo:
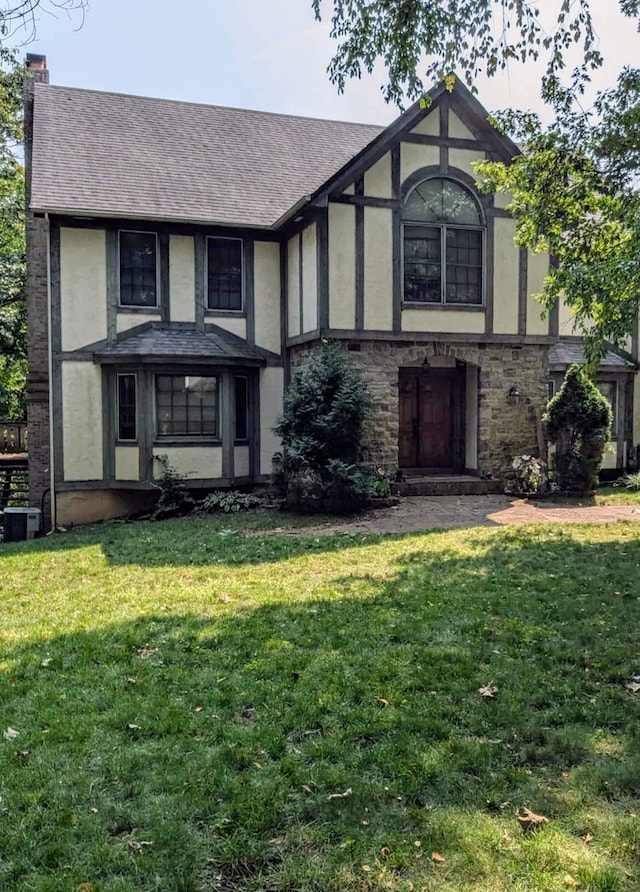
[
  {"x": 11, "y": 734},
  {"x": 145, "y": 652},
  {"x": 45, "y": 662},
  {"x": 138, "y": 846},
  {"x": 569, "y": 881},
  {"x": 529, "y": 820},
  {"x": 382, "y": 702},
  {"x": 366, "y": 868},
  {"x": 586, "y": 839},
  {"x": 307, "y": 788},
  {"x": 85, "y": 887},
  {"x": 634, "y": 686},
  {"x": 438, "y": 858},
  {"x": 131, "y": 727},
  {"x": 339, "y": 795},
  {"x": 488, "y": 691}
]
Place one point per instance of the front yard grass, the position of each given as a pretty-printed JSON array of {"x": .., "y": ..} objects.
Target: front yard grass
[{"x": 188, "y": 709}]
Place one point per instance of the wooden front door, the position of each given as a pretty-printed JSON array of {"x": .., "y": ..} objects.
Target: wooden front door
[{"x": 427, "y": 419}]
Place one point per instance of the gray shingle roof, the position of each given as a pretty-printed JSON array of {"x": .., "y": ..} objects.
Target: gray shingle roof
[
  {"x": 106, "y": 154},
  {"x": 156, "y": 342},
  {"x": 565, "y": 353}
]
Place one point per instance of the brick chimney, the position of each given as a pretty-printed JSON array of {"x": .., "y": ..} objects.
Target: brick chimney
[{"x": 36, "y": 65}]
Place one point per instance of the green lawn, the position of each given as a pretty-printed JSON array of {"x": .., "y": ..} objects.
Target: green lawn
[{"x": 201, "y": 711}]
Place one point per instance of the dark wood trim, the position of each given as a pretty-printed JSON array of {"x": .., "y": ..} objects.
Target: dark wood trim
[
  {"x": 502, "y": 212},
  {"x": 200, "y": 258},
  {"x": 226, "y": 413},
  {"x": 300, "y": 282},
  {"x": 367, "y": 201},
  {"x": 489, "y": 264},
  {"x": 113, "y": 297},
  {"x": 621, "y": 394},
  {"x": 523, "y": 289},
  {"x": 360, "y": 249},
  {"x": 257, "y": 233},
  {"x": 322, "y": 271},
  {"x": 449, "y": 141},
  {"x": 284, "y": 315},
  {"x": 248, "y": 253},
  {"x": 146, "y": 415},
  {"x": 634, "y": 339},
  {"x": 165, "y": 299},
  {"x": 396, "y": 223},
  {"x": 465, "y": 308},
  {"x": 417, "y": 337}
]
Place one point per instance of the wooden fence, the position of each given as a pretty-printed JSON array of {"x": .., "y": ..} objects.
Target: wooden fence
[{"x": 13, "y": 437}]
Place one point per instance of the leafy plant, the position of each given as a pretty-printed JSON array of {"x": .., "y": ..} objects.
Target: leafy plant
[
  {"x": 322, "y": 429},
  {"x": 529, "y": 472},
  {"x": 174, "y": 496},
  {"x": 229, "y": 501},
  {"x": 632, "y": 481},
  {"x": 578, "y": 422}
]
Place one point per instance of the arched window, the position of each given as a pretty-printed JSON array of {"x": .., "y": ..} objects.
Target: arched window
[{"x": 443, "y": 244}]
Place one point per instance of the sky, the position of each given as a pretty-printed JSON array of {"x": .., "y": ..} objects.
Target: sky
[{"x": 269, "y": 55}]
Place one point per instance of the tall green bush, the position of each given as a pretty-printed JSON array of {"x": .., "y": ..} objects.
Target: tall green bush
[
  {"x": 578, "y": 423},
  {"x": 326, "y": 408}
]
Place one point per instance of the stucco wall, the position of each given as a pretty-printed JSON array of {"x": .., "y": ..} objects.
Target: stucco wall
[
  {"x": 462, "y": 159},
  {"x": 83, "y": 286},
  {"x": 267, "y": 295},
  {"x": 429, "y": 125},
  {"x": 309, "y": 279},
  {"x": 414, "y": 156},
  {"x": 82, "y": 421},
  {"x": 293, "y": 286},
  {"x": 127, "y": 463},
  {"x": 377, "y": 180},
  {"x": 127, "y": 321},
  {"x": 342, "y": 266},
  {"x": 237, "y": 325},
  {"x": 271, "y": 393},
  {"x": 182, "y": 279},
  {"x": 196, "y": 463},
  {"x": 538, "y": 267},
  {"x": 458, "y": 130},
  {"x": 89, "y": 506},
  {"x": 241, "y": 461},
  {"x": 378, "y": 269},
  {"x": 454, "y": 321},
  {"x": 505, "y": 278}
]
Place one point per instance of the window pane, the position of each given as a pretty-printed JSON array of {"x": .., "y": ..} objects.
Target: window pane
[
  {"x": 224, "y": 274},
  {"x": 126, "y": 407},
  {"x": 442, "y": 201},
  {"x": 241, "y": 406},
  {"x": 422, "y": 268},
  {"x": 186, "y": 405},
  {"x": 138, "y": 269},
  {"x": 464, "y": 266}
]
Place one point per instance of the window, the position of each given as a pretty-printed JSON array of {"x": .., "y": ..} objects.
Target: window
[
  {"x": 609, "y": 390},
  {"x": 443, "y": 245},
  {"x": 224, "y": 274},
  {"x": 241, "y": 408},
  {"x": 186, "y": 406},
  {"x": 126, "y": 407},
  {"x": 138, "y": 270}
]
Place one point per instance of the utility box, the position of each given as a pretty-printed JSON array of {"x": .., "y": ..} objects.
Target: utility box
[{"x": 21, "y": 523}]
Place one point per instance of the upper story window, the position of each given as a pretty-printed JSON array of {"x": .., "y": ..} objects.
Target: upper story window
[
  {"x": 224, "y": 274},
  {"x": 443, "y": 244},
  {"x": 138, "y": 269}
]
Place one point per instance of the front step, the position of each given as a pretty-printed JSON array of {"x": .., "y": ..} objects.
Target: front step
[{"x": 450, "y": 485}]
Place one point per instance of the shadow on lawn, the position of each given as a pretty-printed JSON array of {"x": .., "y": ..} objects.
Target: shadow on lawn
[{"x": 226, "y": 738}]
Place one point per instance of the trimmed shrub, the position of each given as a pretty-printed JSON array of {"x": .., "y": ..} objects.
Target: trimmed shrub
[
  {"x": 578, "y": 423},
  {"x": 322, "y": 427}
]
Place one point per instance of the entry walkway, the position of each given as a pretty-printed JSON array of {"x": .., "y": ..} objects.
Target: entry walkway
[{"x": 416, "y": 513}]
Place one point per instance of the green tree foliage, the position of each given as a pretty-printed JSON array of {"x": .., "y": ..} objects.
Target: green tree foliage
[
  {"x": 578, "y": 422},
  {"x": 12, "y": 242},
  {"x": 420, "y": 41},
  {"x": 322, "y": 428},
  {"x": 574, "y": 188}
]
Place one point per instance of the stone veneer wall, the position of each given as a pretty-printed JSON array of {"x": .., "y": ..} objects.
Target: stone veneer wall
[{"x": 504, "y": 431}]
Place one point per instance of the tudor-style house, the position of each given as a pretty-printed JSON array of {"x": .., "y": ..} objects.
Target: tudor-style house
[{"x": 184, "y": 258}]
